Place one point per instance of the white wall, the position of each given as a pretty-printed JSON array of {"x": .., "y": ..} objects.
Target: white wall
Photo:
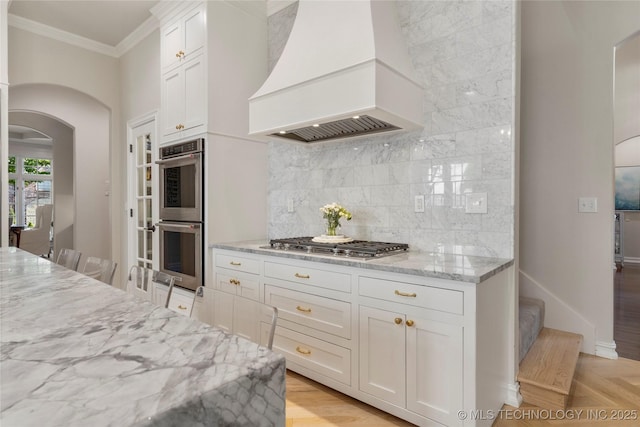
[
  {"x": 90, "y": 121},
  {"x": 93, "y": 80},
  {"x": 567, "y": 144}
]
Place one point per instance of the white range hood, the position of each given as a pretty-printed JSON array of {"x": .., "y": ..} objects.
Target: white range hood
[{"x": 345, "y": 71}]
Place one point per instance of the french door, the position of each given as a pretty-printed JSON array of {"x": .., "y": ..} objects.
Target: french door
[{"x": 143, "y": 207}]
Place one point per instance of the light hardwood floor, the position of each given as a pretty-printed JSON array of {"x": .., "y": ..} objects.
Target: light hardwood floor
[{"x": 601, "y": 387}]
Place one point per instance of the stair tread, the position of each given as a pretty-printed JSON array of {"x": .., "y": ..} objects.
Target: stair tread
[{"x": 551, "y": 361}]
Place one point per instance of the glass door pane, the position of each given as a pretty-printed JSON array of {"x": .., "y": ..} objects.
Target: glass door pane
[{"x": 142, "y": 190}]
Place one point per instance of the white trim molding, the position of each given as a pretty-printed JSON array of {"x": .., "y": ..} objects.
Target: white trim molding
[
  {"x": 631, "y": 260},
  {"x": 514, "y": 398},
  {"x": 275, "y": 6},
  {"x": 123, "y": 47},
  {"x": 606, "y": 350}
]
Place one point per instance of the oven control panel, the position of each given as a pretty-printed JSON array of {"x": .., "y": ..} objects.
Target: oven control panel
[{"x": 188, "y": 147}]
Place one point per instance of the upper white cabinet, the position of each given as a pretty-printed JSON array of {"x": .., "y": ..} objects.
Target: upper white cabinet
[
  {"x": 184, "y": 103},
  {"x": 183, "y": 38},
  {"x": 184, "y": 73}
]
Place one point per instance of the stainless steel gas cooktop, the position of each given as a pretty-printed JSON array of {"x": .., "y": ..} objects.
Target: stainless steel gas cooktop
[{"x": 361, "y": 249}]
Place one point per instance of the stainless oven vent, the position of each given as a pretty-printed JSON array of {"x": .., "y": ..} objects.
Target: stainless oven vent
[{"x": 338, "y": 129}]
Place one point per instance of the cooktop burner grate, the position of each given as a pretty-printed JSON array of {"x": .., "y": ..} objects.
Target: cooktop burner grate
[{"x": 355, "y": 248}]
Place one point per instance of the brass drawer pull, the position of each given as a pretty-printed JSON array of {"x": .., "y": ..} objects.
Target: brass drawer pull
[
  {"x": 304, "y": 351},
  {"x": 234, "y": 282},
  {"x": 181, "y": 307},
  {"x": 404, "y": 294},
  {"x": 302, "y": 276},
  {"x": 235, "y": 263},
  {"x": 409, "y": 323},
  {"x": 303, "y": 309},
  {"x": 398, "y": 320}
]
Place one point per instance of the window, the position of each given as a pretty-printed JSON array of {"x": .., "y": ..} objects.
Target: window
[{"x": 30, "y": 186}]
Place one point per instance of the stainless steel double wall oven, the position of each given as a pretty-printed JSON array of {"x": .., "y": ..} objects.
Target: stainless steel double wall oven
[{"x": 182, "y": 211}]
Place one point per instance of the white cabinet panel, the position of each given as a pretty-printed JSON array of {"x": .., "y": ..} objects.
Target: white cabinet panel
[
  {"x": 434, "y": 369},
  {"x": 184, "y": 97},
  {"x": 382, "y": 354},
  {"x": 183, "y": 39},
  {"x": 324, "y": 314}
]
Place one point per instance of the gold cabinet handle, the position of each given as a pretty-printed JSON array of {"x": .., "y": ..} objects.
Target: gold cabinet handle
[
  {"x": 180, "y": 54},
  {"x": 235, "y": 263},
  {"x": 303, "y": 309},
  {"x": 181, "y": 307},
  {"x": 234, "y": 281},
  {"x": 409, "y": 323},
  {"x": 404, "y": 294},
  {"x": 179, "y": 126},
  {"x": 301, "y": 276},
  {"x": 398, "y": 320},
  {"x": 304, "y": 351}
]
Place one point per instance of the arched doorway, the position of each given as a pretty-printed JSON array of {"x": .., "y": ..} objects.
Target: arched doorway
[{"x": 84, "y": 151}]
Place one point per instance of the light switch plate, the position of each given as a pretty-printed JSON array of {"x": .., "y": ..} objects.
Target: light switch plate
[
  {"x": 588, "y": 204},
  {"x": 476, "y": 203},
  {"x": 418, "y": 203}
]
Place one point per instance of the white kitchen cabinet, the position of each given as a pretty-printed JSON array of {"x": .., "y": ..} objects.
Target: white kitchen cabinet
[
  {"x": 183, "y": 38},
  {"x": 412, "y": 362},
  {"x": 238, "y": 276},
  {"x": 184, "y": 98},
  {"x": 421, "y": 348}
]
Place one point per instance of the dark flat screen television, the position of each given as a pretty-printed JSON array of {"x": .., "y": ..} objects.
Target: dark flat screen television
[{"x": 628, "y": 188}]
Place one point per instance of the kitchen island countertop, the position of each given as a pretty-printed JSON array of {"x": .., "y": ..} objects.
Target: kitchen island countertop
[
  {"x": 77, "y": 352},
  {"x": 463, "y": 268}
]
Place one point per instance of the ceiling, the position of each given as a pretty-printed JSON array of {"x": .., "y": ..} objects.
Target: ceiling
[{"x": 105, "y": 21}]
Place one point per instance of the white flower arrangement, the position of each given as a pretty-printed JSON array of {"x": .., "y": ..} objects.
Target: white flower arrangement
[{"x": 333, "y": 213}]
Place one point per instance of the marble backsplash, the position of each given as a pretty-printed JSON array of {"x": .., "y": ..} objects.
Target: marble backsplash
[{"x": 464, "y": 53}]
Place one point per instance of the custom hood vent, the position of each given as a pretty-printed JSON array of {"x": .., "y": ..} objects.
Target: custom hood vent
[{"x": 345, "y": 71}]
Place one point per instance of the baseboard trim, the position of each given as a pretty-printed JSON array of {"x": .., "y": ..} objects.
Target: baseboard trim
[
  {"x": 606, "y": 350},
  {"x": 514, "y": 398},
  {"x": 631, "y": 260}
]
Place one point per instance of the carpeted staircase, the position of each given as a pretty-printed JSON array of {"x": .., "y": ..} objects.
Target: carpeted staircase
[{"x": 548, "y": 358}]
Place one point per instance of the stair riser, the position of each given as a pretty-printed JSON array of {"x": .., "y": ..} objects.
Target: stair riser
[{"x": 543, "y": 398}]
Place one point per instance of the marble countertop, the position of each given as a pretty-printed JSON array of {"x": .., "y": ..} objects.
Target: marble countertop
[
  {"x": 464, "y": 268},
  {"x": 77, "y": 352}
]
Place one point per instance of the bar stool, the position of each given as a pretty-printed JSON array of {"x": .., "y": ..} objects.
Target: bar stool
[
  {"x": 100, "y": 269},
  {"x": 69, "y": 258}
]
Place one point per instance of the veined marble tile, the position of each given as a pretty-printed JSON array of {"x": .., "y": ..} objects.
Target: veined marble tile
[
  {"x": 474, "y": 116},
  {"x": 355, "y": 196},
  {"x": 377, "y": 174},
  {"x": 434, "y": 147},
  {"x": 341, "y": 177},
  {"x": 389, "y": 195},
  {"x": 485, "y": 36},
  {"x": 497, "y": 165},
  {"x": 488, "y": 140},
  {"x": 496, "y": 9},
  {"x": 485, "y": 88},
  {"x": 473, "y": 65},
  {"x": 403, "y": 218}
]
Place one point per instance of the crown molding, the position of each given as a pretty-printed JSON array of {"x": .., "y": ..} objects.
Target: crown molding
[
  {"x": 165, "y": 10},
  {"x": 274, "y": 6},
  {"x": 60, "y": 35},
  {"x": 139, "y": 34}
]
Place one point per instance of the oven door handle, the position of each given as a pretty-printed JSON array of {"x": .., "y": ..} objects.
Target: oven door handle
[
  {"x": 178, "y": 158},
  {"x": 175, "y": 225}
]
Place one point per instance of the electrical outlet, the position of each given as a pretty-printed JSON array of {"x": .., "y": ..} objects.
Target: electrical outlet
[
  {"x": 289, "y": 205},
  {"x": 588, "y": 204},
  {"x": 476, "y": 203},
  {"x": 418, "y": 203}
]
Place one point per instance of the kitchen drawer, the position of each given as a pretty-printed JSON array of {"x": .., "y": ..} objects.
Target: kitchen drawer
[
  {"x": 237, "y": 263},
  {"x": 245, "y": 285},
  {"x": 309, "y": 276},
  {"x": 407, "y": 293},
  {"x": 181, "y": 301},
  {"x": 322, "y": 357},
  {"x": 324, "y": 314}
]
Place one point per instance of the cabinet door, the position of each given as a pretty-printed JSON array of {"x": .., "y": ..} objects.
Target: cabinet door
[
  {"x": 171, "y": 45},
  {"x": 194, "y": 93},
  {"x": 382, "y": 354},
  {"x": 434, "y": 369},
  {"x": 172, "y": 101},
  {"x": 194, "y": 32}
]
